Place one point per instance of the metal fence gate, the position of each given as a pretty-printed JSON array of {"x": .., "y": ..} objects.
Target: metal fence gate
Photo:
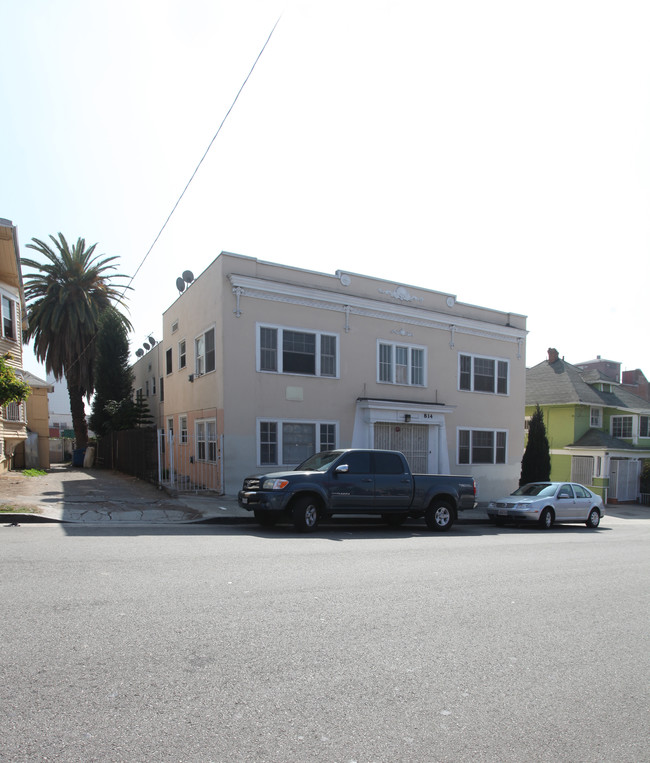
[
  {"x": 190, "y": 464},
  {"x": 411, "y": 439},
  {"x": 624, "y": 479},
  {"x": 582, "y": 469}
]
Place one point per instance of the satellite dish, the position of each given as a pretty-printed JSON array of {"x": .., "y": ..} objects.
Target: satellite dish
[
  {"x": 152, "y": 341},
  {"x": 188, "y": 276},
  {"x": 180, "y": 284},
  {"x": 146, "y": 346},
  {"x": 139, "y": 352}
]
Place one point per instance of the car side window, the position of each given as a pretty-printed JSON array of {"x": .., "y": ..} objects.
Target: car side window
[
  {"x": 358, "y": 463},
  {"x": 388, "y": 463},
  {"x": 565, "y": 492},
  {"x": 580, "y": 491}
]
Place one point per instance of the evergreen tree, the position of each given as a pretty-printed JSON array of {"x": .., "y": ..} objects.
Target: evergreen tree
[
  {"x": 536, "y": 462},
  {"x": 113, "y": 377}
]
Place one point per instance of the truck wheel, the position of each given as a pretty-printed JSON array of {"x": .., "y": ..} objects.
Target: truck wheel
[
  {"x": 439, "y": 516},
  {"x": 265, "y": 518},
  {"x": 305, "y": 514}
]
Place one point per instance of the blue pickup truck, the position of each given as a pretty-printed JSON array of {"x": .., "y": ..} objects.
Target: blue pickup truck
[{"x": 356, "y": 481}]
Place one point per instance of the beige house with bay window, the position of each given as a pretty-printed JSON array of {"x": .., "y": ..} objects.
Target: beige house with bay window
[{"x": 263, "y": 364}]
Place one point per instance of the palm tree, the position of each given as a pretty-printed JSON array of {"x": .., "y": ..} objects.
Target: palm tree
[{"x": 66, "y": 296}]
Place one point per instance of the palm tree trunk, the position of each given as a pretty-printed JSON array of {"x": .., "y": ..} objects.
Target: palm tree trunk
[{"x": 78, "y": 411}]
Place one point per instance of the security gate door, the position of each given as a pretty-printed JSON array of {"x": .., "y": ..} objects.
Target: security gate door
[{"x": 411, "y": 439}]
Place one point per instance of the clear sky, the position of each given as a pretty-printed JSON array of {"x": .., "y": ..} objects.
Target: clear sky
[{"x": 496, "y": 150}]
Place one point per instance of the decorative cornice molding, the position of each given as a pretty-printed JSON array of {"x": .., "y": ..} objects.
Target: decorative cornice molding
[
  {"x": 273, "y": 291},
  {"x": 401, "y": 332},
  {"x": 401, "y": 293}
]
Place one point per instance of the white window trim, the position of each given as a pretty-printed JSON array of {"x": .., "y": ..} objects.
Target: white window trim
[
  {"x": 197, "y": 423},
  {"x": 496, "y": 360},
  {"x": 316, "y": 332},
  {"x": 183, "y": 432},
  {"x": 624, "y": 416},
  {"x": 16, "y": 317},
  {"x": 409, "y": 347},
  {"x": 279, "y": 422},
  {"x": 599, "y": 416},
  {"x": 482, "y": 429},
  {"x": 181, "y": 367},
  {"x": 201, "y": 334}
]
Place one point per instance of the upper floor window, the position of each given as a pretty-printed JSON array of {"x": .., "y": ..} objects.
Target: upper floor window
[
  {"x": 400, "y": 364},
  {"x": 204, "y": 353},
  {"x": 622, "y": 426},
  {"x": 481, "y": 374},
  {"x": 644, "y": 426},
  {"x": 182, "y": 354},
  {"x": 13, "y": 412},
  {"x": 168, "y": 360},
  {"x": 8, "y": 318},
  {"x": 482, "y": 446},
  {"x": 288, "y": 351},
  {"x": 596, "y": 418}
]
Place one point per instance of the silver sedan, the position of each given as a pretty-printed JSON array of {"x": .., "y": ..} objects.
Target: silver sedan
[{"x": 548, "y": 502}]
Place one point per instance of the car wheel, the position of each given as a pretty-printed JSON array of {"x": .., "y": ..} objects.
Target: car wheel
[
  {"x": 439, "y": 516},
  {"x": 305, "y": 514},
  {"x": 265, "y": 518},
  {"x": 593, "y": 520},
  {"x": 395, "y": 520},
  {"x": 546, "y": 519}
]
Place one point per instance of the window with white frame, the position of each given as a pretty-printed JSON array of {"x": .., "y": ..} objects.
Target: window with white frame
[
  {"x": 596, "y": 418},
  {"x": 170, "y": 425},
  {"x": 644, "y": 426},
  {"x": 182, "y": 427},
  {"x": 291, "y": 442},
  {"x": 206, "y": 440},
  {"x": 477, "y": 373},
  {"x": 204, "y": 353},
  {"x": 290, "y": 351},
  {"x": 9, "y": 318},
  {"x": 182, "y": 354},
  {"x": 400, "y": 364},
  {"x": 622, "y": 426},
  {"x": 482, "y": 446}
]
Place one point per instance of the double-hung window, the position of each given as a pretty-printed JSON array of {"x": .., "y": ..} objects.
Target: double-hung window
[
  {"x": 622, "y": 426},
  {"x": 204, "y": 353},
  {"x": 206, "y": 440},
  {"x": 290, "y": 351},
  {"x": 482, "y": 446},
  {"x": 596, "y": 418},
  {"x": 291, "y": 442},
  {"x": 644, "y": 426},
  {"x": 182, "y": 426},
  {"x": 182, "y": 354},
  {"x": 400, "y": 364},
  {"x": 480, "y": 374},
  {"x": 8, "y": 318}
]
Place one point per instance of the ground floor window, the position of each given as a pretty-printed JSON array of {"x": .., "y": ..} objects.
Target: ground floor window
[
  {"x": 291, "y": 442},
  {"x": 206, "y": 440},
  {"x": 482, "y": 446}
]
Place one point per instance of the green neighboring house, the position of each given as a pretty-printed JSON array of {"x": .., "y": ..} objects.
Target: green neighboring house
[{"x": 598, "y": 431}]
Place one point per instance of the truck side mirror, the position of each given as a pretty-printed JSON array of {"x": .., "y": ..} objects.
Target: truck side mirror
[{"x": 342, "y": 469}]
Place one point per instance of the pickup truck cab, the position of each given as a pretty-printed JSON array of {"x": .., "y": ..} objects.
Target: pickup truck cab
[{"x": 356, "y": 481}]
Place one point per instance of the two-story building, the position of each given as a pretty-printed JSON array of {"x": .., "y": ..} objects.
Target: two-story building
[
  {"x": 263, "y": 364},
  {"x": 598, "y": 430},
  {"x": 16, "y": 436}
]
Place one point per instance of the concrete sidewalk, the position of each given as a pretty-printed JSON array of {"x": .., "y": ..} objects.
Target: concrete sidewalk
[{"x": 100, "y": 496}]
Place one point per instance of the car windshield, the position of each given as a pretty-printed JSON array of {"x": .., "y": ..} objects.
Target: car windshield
[
  {"x": 536, "y": 488},
  {"x": 319, "y": 461}
]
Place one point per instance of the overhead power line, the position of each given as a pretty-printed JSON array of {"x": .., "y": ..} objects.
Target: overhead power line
[{"x": 214, "y": 137}]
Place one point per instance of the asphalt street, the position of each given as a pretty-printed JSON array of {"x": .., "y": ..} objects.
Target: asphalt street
[{"x": 209, "y": 642}]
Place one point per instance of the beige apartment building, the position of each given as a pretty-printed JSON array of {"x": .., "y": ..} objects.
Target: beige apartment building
[{"x": 261, "y": 365}]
